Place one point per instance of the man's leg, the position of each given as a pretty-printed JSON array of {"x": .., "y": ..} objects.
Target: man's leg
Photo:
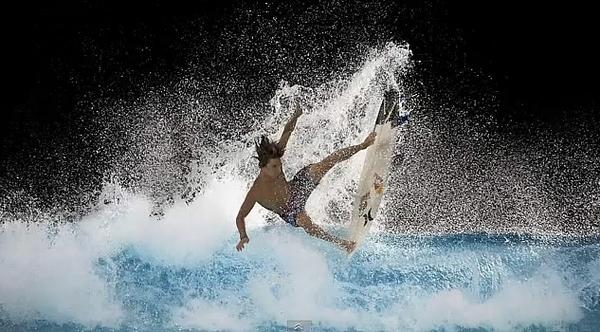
[
  {"x": 304, "y": 221},
  {"x": 318, "y": 170}
]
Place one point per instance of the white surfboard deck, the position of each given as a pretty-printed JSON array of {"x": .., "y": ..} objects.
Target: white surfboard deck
[{"x": 375, "y": 171}]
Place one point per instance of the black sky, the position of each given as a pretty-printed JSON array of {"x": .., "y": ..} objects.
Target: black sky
[
  {"x": 539, "y": 60},
  {"x": 532, "y": 48},
  {"x": 542, "y": 54}
]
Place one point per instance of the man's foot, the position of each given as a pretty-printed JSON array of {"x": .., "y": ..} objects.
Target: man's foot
[{"x": 348, "y": 245}]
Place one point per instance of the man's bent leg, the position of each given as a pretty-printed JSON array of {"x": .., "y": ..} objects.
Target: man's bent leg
[{"x": 315, "y": 230}]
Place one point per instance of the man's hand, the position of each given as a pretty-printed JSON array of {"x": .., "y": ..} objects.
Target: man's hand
[
  {"x": 297, "y": 108},
  {"x": 243, "y": 241},
  {"x": 369, "y": 140}
]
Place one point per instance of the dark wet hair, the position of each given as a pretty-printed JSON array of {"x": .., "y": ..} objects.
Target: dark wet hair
[{"x": 266, "y": 149}]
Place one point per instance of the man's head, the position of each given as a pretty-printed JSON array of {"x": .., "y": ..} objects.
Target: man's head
[{"x": 269, "y": 154}]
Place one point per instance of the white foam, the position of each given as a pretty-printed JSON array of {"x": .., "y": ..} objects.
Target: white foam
[
  {"x": 542, "y": 300},
  {"x": 187, "y": 234},
  {"x": 52, "y": 277},
  {"x": 205, "y": 315},
  {"x": 50, "y": 272},
  {"x": 296, "y": 283},
  {"x": 55, "y": 278}
]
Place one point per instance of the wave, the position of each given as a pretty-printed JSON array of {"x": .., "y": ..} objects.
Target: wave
[{"x": 120, "y": 267}]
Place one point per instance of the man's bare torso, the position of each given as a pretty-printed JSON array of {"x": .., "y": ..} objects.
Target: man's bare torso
[{"x": 271, "y": 193}]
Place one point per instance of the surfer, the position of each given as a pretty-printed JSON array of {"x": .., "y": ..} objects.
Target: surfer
[{"x": 287, "y": 199}]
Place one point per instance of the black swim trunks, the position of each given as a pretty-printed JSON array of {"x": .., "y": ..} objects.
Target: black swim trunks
[{"x": 300, "y": 188}]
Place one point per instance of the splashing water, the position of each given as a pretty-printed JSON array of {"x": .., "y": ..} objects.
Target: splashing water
[{"x": 120, "y": 268}]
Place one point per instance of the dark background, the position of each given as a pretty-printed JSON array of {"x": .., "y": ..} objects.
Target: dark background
[{"x": 529, "y": 67}]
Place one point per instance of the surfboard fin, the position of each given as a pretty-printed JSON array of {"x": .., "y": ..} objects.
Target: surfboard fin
[
  {"x": 390, "y": 111},
  {"x": 388, "y": 105}
]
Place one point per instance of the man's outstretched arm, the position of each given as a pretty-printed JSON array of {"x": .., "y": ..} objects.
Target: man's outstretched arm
[
  {"x": 240, "y": 222},
  {"x": 289, "y": 127}
]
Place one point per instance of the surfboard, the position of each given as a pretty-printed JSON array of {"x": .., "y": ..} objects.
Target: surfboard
[{"x": 375, "y": 170}]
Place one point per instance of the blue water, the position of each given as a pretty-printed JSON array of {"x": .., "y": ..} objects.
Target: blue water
[{"x": 394, "y": 282}]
